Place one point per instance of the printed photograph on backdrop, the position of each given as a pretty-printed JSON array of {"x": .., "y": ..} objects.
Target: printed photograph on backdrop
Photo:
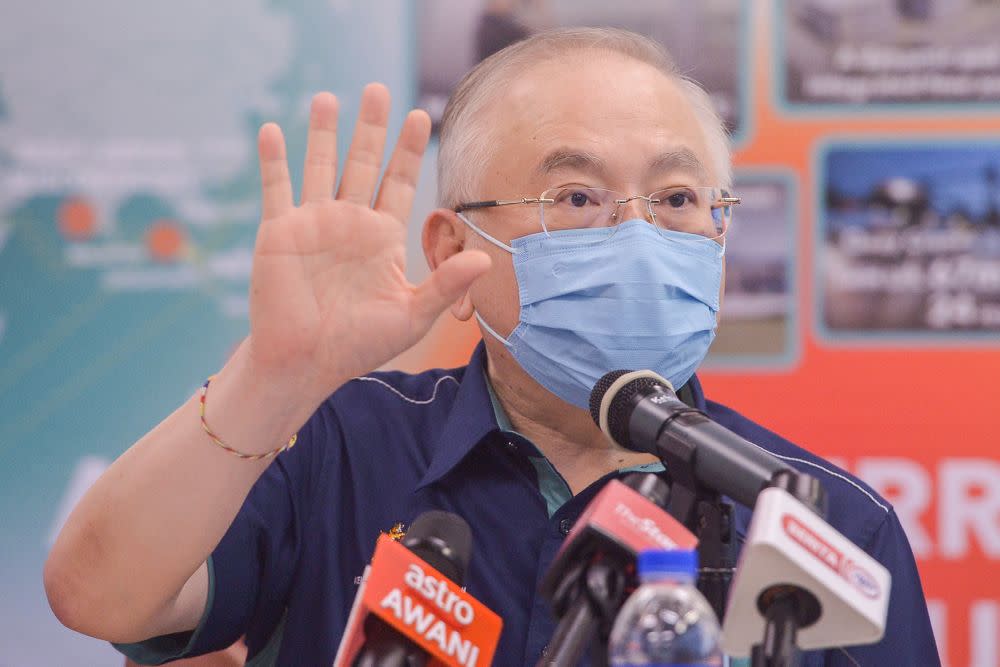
[
  {"x": 757, "y": 328},
  {"x": 857, "y": 52},
  {"x": 707, "y": 40},
  {"x": 910, "y": 238}
]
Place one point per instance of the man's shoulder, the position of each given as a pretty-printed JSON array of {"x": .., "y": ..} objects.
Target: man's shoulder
[
  {"x": 431, "y": 389},
  {"x": 855, "y": 509},
  {"x": 394, "y": 409},
  {"x": 376, "y": 431}
]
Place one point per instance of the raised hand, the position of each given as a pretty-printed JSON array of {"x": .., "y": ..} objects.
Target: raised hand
[{"x": 329, "y": 298}]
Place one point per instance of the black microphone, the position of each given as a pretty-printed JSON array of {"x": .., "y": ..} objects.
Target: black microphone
[
  {"x": 594, "y": 570},
  {"x": 444, "y": 541},
  {"x": 640, "y": 411}
]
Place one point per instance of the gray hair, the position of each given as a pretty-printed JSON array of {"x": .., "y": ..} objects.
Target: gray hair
[{"x": 465, "y": 141}]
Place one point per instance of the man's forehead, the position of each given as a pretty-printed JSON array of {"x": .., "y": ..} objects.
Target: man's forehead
[
  {"x": 603, "y": 116},
  {"x": 565, "y": 158}
]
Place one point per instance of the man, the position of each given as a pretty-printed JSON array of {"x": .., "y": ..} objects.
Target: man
[{"x": 182, "y": 542}]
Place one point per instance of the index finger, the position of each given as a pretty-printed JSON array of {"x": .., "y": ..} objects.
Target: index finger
[{"x": 399, "y": 184}]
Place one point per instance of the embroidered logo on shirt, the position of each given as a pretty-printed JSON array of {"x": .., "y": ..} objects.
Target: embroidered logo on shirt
[{"x": 397, "y": 531}]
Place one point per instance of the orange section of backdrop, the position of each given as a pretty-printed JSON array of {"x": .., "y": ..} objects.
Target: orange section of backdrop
[
  {"x": 915, "y": 421},
  {"x": 932, "y": 406}
]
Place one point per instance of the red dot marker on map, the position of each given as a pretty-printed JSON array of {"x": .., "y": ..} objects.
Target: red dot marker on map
[
  {"x": 165, "y": 240},
  {"x": 76, "y": 219}
]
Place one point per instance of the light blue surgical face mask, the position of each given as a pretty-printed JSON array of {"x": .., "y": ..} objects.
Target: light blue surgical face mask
[{"x": 602, "y": 299}]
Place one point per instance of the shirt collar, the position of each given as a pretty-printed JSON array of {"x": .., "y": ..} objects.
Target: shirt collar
[
  {"x": 503, "y": 421},
  {"x": 470, "y": 420},
  {"x": 473, "y": 417},
  {"x": 693, "y": 395}
]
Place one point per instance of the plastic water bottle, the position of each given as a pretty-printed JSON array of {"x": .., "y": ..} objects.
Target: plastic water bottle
[{"x": 666, "y": 621}]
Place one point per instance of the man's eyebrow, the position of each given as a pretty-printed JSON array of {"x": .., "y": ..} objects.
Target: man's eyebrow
[
  {"x": 565, "y": 158},
  {"x": 682, "y": 159}
]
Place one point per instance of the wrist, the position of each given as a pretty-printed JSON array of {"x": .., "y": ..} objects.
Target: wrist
[
  {"x": 256, "y": 410},
  {"x": 305, "y": 380}
]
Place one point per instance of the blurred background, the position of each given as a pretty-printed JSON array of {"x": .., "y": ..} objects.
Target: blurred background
[{"x": 862, "y": 314}]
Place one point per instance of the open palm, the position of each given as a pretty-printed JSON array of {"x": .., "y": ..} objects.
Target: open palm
[{"x": 329, "y": 296}]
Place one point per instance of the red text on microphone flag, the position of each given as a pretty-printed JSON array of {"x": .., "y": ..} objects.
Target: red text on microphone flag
[{"x": 823, "y": 551}]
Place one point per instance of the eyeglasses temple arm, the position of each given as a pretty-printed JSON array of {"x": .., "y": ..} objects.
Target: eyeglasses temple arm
[{"x": 500, "y": 202}]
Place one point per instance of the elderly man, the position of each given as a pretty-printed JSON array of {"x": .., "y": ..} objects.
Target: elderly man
[{"x": 583, "y": 185}]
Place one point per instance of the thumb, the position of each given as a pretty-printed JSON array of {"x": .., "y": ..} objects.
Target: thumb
[{"x": 445, "y": 284}]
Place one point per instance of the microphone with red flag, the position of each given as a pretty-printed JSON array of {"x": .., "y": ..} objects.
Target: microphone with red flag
[
  {"x": 594, "y": 570},
  {"x": 411, "y": 610}
]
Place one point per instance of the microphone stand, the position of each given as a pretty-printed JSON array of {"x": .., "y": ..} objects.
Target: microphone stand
[
  {"x": 705, "y": 513},
  {"x": 587, "y": 604},
  {"x": 592, "y": 589},
  {"x": 788, "y": 608},
  {"x": 645, "y": 411}
]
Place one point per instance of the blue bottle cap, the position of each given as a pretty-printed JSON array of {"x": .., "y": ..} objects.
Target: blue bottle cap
[{"x": 672, "y": 561}]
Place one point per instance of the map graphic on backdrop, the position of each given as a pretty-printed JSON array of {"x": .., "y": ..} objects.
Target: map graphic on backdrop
[
  {"x": 129, "y": 200},
  {"x": 910, "y": 239},
  {"x": 141, "y": 188},
  {"x": 855, "y": 52}
]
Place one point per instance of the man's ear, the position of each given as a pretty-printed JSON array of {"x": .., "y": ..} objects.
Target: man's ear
[{"x": 444, "y": 236}]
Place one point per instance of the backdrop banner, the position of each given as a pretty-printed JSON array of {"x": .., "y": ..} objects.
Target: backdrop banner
[{"x": 862, "y": 314}]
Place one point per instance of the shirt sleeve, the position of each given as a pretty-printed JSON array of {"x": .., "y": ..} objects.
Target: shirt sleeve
[
  {"x": 909, "y": 638},
  {"x": 166, "y": 648},
  {"x": 251, "y": 569}
]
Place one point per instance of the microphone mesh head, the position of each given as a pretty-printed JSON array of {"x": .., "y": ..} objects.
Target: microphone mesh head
[
  {"x": 597, "y": 393},
  {"x": 442, "y": 539},
  {"x": 620, "y": 409}
]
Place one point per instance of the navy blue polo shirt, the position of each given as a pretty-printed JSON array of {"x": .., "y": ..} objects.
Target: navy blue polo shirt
[{"x": 387, "y": 447}]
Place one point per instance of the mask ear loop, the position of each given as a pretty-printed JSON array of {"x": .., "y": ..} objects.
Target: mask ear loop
[
  {"x": 495, "y": 241},
  {"x": 720, "y": 240},
  {"x": 722, "y": 213},
  {"x": 491, "y": 331},
  {"x": 500, "y": 244}
]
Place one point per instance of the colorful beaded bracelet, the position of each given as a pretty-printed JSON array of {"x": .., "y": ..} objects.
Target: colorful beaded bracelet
[{"x": 236, "y": 452}]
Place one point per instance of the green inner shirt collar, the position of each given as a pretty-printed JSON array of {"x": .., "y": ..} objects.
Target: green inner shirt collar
[{"x": 553, "y": 487}]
